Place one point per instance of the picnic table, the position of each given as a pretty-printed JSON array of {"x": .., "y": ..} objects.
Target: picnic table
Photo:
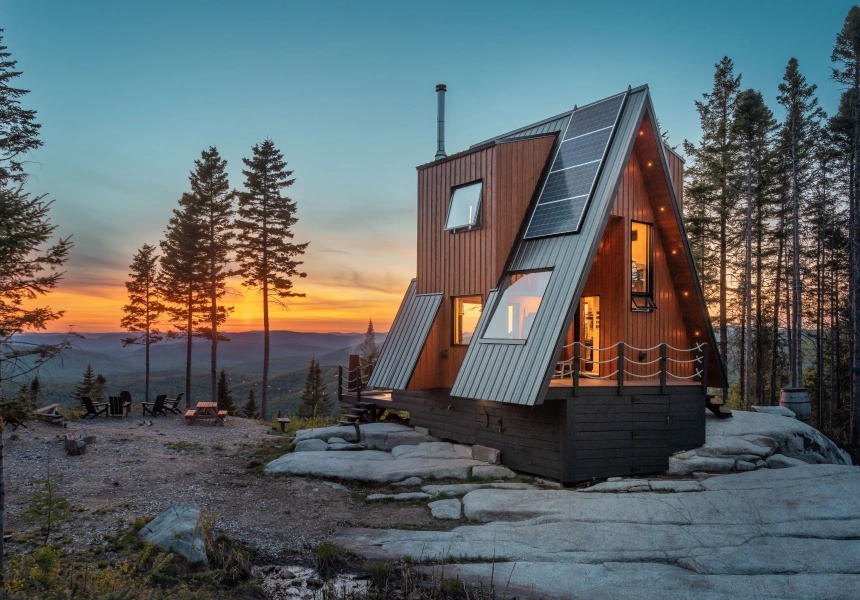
[
  {"x": 205, "y": 411},
  {"x": 51, "y": 413}
]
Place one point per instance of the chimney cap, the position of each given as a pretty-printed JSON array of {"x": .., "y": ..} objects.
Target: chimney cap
[{"x": 441, "y": 87}]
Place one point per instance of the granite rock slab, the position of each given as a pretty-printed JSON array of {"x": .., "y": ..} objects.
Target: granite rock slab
[{"x": 175, "y": 530}]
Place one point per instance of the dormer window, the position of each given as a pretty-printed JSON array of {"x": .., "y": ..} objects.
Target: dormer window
[{"x": 464, "y": 212}]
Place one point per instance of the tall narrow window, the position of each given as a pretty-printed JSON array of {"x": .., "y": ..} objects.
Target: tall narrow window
[
  {"x": 467, "y": 311},
  {"x": 464, "y": 212},
  {"x": 517, "y": 309},
  {"x": 641, "y": 276}
]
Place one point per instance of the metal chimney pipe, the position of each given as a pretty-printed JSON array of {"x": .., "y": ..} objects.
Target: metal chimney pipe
[{"x": 440, "y": 121}]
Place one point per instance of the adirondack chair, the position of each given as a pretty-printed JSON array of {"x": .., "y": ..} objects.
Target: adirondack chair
[
  {"x": 172, "y": 404},
  {"x": 155, "y": 408},
  {"x": 116, "y": 407},
  {"x": 92, "y": 410}
]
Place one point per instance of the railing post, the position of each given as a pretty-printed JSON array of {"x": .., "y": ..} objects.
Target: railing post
[
  {"x": 575, "y": 372},
  {"x": 704, "y": 368},
  {"x": 663, "y": 368},
  {"x": 358, "y": 389},
  {"x": 340, "y": 383},
  {"x": 621, "y": 365}
]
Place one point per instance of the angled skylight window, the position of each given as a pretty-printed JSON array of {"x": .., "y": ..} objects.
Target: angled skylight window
[
  {"x": 515, "y": 313},
  {"x": 464, "y": 211}
]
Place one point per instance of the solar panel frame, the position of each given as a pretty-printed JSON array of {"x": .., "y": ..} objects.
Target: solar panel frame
[{"x": 564, "y": 198}]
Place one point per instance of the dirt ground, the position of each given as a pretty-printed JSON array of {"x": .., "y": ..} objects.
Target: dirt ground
[{"x": 140, "y": 467}]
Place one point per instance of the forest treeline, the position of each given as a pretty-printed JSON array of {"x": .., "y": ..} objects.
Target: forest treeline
[{"x": 771, "y": 210}]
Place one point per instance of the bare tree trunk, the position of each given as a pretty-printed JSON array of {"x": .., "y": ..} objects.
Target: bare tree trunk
[
  {"x": 759, "y": 336},
  {"x": 774, "y": 356},
  {"x": 264, "y": 404},
  {"x": 188, "y": 340},
  {"x": 213, "y": 298},
  {"x": 854, "y": 275},
  {"x": 724, "y": 329},
  {"x": 796, "y": 296},
  {"x": 2, "y": 507},
  {"x": 747, "y": 320}
]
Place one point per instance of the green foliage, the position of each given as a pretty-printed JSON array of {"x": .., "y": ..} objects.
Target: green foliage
[
  {"x": 225, "y": 396},
  {"x": 330, "y": 559},
  {"x": 19, "y": 131},
  {"x": 368, "y": 352},
  {"x": 48, "y": 507},
  {"x": 315, "y": 398},
  {"x": 230, "y": 563},
  {"x": 86, "y": 386},
  {"x": 250, "y": 410}
]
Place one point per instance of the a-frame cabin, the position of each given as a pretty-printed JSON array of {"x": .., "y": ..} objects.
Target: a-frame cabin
[{"x": 556, "y": 314}]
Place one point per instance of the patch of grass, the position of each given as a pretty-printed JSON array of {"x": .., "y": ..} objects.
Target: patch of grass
[
  {"x": 183, "y": 446},
  {"x": 330, "y": 559},
  {"x": 14, "y": 437}
]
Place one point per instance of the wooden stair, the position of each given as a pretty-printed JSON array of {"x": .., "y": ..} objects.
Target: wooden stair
[{"x": 717, "y": 407}]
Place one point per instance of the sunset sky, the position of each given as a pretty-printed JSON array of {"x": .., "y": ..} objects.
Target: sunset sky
[{"x": 128, "y": 95}]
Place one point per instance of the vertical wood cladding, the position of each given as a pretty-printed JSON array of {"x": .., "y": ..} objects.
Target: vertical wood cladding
[
  {"x": 469, "y": 262},
  {"x": 676, "y": 172}
]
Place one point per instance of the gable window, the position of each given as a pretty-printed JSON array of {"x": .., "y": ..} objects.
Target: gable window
[
  {"x": 517, "y": 308},
  {"x": 467, "y": 311},
  {"x": 464, "y": 211},
  {"x": 641, "y": 268}
]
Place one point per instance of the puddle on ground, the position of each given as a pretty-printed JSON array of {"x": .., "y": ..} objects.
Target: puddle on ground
[{"x": 302, "y": 583}]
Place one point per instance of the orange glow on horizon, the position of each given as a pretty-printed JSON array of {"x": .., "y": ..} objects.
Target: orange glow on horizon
[{"x": 326, "y": 308}]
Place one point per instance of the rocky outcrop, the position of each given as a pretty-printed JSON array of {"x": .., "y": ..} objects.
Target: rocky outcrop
[
  {"x": 374, "y": 436},
  {"x": 768, "y": 533}
]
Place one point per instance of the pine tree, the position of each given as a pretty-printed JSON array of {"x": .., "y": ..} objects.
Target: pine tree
[
  {"x": 144, "y": 308},
  {"x": 799, "y": 131},
  {"x": 753, "y": 124},
  {"x": 99, "y": 387},
  {"x": 315, "y": 398},
  {"x": 250, "y": 410},
  {"x": 210, "y": 189},
  {"x": 19, "y": 131},
  {"x": 180, "y": 283},
  {"x": 368, "y": 352},
  {"x": 36, "y": 391},
  {"x": 225, "y": 396},
  {"x": 846, "y": 55},
  {"x": 87, "y": 385},
  {"x": 265, "y": 250},
  {"x": 712, "y": 194}
]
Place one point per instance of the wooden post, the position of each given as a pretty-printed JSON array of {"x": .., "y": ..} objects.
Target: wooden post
[
  {"x": 663, "y": 368},
  {"x": 705, "y": 368},
  {"x": 339, "y": 384},
  {"x": 621, "y": 365},
  {"x": 575, "y": 372}
]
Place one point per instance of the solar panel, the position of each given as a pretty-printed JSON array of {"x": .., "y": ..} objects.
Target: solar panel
[{"x": 564, "y": 198}]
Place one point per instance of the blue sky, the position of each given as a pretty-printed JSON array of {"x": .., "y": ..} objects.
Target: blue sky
[{"x": 129, "y": 94}]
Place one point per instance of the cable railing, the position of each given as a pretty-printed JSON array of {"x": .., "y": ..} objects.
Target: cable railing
[{"x": 670, "y": 367}]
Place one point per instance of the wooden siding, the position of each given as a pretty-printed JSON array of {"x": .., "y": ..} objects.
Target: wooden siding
[
  {"x": 676, "y": 172},
  {"x": 470, "y": 262},
  {"x": 596, "y": 434}
]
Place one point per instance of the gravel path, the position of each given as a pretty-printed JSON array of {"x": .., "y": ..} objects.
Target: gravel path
[{"x": 140, "y": 467}]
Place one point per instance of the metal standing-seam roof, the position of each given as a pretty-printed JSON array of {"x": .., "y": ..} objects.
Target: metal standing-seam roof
[
  {"x": 519, "y": 373},
  {"x": 551, "y": 125},
  {"x": 403, "y": 344}
]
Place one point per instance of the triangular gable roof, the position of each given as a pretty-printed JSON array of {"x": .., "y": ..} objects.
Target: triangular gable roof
[{"x": 520, "y": 372}]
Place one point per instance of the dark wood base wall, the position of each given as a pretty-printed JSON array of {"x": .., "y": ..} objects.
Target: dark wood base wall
[{"x": 596, "y": 434}]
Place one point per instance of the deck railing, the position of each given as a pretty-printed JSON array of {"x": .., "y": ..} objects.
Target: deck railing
[
  {"x": 571, "y": 367},
  {"x": 354, "y": 381}
]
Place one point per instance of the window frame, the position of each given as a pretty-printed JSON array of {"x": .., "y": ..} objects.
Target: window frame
[
  {"x": 643, "y": 301},
  {"x": 454, "y": 317},
  {"x": 478, "y": 217},
  {"x": 500, "y": 294}
]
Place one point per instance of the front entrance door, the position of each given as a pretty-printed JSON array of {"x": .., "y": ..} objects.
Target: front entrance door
[{"x": 589, "y": 334}]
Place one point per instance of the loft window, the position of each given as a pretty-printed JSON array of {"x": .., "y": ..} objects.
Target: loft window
[
  {"x": 464, "y": 212},
  {"x": 467, "y": 311},
  {"x": 515, "y": 312},
  {"x": 641, "y": 273}
]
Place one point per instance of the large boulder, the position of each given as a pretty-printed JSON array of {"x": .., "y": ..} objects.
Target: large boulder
[
  {"x": 176, "y": 529},
  {"x": 370, "y": 465},
  {"x": 374, "y": 436},
  {"x": 432, "y": 450}
]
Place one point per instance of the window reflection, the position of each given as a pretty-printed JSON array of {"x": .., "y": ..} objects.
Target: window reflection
[
  {"x": 516, "y": 311},
  {"x": 467, "y": 311}
]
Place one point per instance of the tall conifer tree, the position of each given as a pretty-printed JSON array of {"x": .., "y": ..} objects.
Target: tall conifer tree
[
  {"x": 225, "y": 396},
  {"x": 368, "y": 352},
  {"x": 211, "y": 191},
  {"x": 144, "y": 309},
  {"x": 315, "y": 399},
  {"x": 801, "y": 123},
  {"x": 19, "y": 131},
  {"x": 712, "y": 194},
  {"x": 181, "y": 284},
  {"x": 264, "y": 248},
  {"x": 752, "y": 125},
  {"x": 846, "y": 55}
]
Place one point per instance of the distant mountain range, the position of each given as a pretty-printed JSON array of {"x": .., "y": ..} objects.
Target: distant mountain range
[{"x": 241, "y": 357}]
